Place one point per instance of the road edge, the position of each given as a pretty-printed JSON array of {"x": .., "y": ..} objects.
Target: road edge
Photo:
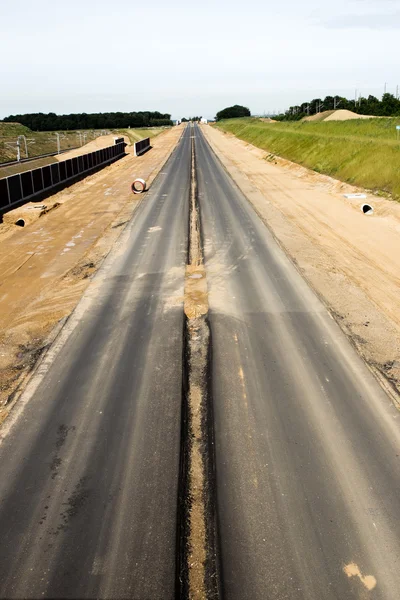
[
  {"x": 61, "y": 331},
  {"x": 385, "y": 383}
]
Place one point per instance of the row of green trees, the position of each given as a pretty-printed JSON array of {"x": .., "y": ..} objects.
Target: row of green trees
[
  {"x": 233, "y": 112},
  {"x": 185, "y": 120},
  {"x": 115, "y": 120},
  {"x": 389, "y": 106}
]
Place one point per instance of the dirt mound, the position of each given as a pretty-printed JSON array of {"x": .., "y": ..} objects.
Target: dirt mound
[
  {"x": 337, "y": 115},
  {"x": 267, "y": 120},
  {"x": 321, "y": 116},
  {"x": 345, "y": 115}
]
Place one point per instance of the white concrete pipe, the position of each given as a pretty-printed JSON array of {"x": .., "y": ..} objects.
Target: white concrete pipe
[
  {"x": 138, "y": 186},
  {"x": 367, "y": 209}
]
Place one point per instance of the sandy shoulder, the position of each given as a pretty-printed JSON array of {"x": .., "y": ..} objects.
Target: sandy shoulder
[
  {"x": 102, "y": 141},
  {"x": 46, "y": 266},
  {"x": 350, "y": 260}
]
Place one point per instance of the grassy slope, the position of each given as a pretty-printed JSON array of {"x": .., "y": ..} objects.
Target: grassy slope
[
  {"x": 13, "y": 130},
  {"x": 45, "y": 141},
  {"x": 361, "y": 152},
  {"x": 135, "y": 135}
]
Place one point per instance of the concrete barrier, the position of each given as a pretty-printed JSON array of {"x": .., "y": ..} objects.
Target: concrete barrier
[
  {"x": 25, "y": 186},
  {"x": 142, "y": 146}
]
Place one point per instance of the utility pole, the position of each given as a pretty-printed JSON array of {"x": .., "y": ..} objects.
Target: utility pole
[
  {"x": 26, "y": 145},
  {"x": 16, "y": 144},
  {"x": 59, "y": 136},
  {"x": 385, "y": 87},
  {"x": 27, "y": 142},
  {"x": 336, "y": 103},
  {"x": 397, "y": 92}
]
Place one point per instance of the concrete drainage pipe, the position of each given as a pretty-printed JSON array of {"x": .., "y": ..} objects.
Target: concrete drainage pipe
[
  {"x": 367, "y": 209},
  {"x": 138, "y": 186}
]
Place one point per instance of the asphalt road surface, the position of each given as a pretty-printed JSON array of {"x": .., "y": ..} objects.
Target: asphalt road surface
[
  {"x": 307, "y": 443},
  {"x": 89, "y": 469}
]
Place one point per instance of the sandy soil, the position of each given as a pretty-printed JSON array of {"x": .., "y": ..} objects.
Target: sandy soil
[
  {"x": 346, "y": 115},
  {"x": 337, "y": 115},
  {"x": 97, "y": 144},
  {"x": 46, "y": 266},
  {"x": 351, "y": 260}
]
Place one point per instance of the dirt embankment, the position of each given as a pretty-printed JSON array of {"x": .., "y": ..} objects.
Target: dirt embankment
[
  {"x": 337, "y": 115},
  {"x": 46, "y": 266},
  {"x": 103, "y": 141},
  {"x": 351, "y": 260}
]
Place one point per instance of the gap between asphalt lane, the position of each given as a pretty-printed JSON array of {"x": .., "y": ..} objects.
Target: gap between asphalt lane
[{"x": 198, "y": 555}]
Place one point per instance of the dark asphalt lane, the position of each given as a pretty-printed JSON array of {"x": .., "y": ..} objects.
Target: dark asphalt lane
[
  {"x": 307, "y": 443},
  {"x": 90, "y": 464}
]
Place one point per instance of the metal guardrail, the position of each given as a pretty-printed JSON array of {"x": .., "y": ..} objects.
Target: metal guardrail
[{"x": 25, "y": 186}]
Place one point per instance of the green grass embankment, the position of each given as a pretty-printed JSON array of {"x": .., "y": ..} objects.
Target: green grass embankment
[
  {"x": 45, "y": 142},
  {"x": 365, "y": 153},
  {"x": 135, "y": 135}
]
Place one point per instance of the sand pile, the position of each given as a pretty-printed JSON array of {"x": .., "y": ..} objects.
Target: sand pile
[
  {"x": 97, "y": 144},
  {"x": 321, "y": 116},
  {"x": 337, "y": 115},
  {"x": 345, "y": 115}
]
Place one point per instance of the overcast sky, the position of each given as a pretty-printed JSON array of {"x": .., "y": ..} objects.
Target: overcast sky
[{"x": 193, "y": 58}]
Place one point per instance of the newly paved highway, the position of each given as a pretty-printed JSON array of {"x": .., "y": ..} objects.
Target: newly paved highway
[
  {"x": 307, "y": 444},
  {"x": 89, "y": 470}
]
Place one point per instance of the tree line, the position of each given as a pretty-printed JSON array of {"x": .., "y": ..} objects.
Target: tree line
[
  {"x": 114, "y": 120},
  {"x": 389, "y": 106},
  {"x": 233, "y": 112}
]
